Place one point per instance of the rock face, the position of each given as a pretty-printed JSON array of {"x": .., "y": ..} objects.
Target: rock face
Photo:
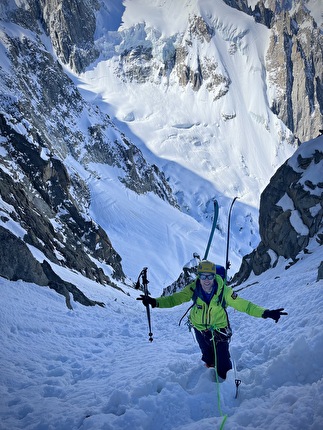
[
  {"x": 291, "y": 211},
  {"x": 293, "y": 63},
  {"x": 40, "y": 199},
  {"x": 181, "y": 63},
  {"x": 16, "y": 260},
  {"x": 70, "y": 24},
  {"x": 295, "y": 75},
  {"x": 44, "y": 203}
]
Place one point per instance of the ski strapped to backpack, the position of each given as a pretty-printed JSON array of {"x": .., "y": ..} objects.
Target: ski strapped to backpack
[
  {"x": 227, "y": 262},
  {"x": 220, "y": 268},
  {"x": 215, "y": 220}
]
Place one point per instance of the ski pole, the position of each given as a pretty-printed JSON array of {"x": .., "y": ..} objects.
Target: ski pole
[{"x": 143, "y": 276}]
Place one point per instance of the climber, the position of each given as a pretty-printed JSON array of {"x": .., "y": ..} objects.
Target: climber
[{"x": 208, "y": 314}]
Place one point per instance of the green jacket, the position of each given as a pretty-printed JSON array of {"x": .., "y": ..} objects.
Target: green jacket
[{"x": 214, "y": 315}]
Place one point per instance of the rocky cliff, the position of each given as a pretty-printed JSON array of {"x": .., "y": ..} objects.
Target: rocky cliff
[
  {"x": 291, "y": 212},
  {"x": 44, "y": 201},
  {"x": 293, "y": 62}
]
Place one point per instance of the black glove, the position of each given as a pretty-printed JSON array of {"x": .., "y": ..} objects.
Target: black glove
[
  {"x": 147, "y": 300},
  {"x": 274, "y": 314}
]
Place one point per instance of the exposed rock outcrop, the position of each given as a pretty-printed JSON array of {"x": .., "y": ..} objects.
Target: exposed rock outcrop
[
  {"x": 291, "y": 211},
  {"x": 17, "y": 261},
  {"x": 41, "y": 111},
  {"x": 294, "y": 70},
  {"x": 293, "y": 63},
  {"x": 181, "y": 61}
]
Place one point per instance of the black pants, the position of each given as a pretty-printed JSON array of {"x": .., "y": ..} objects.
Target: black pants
[{"x": 223, "y": 360}]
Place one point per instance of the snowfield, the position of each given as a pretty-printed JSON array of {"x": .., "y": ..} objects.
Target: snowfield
[{"x": 94, "y": 368}]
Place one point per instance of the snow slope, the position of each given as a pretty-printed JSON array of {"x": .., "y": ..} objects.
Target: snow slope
[{"x": 93, "y": 368}]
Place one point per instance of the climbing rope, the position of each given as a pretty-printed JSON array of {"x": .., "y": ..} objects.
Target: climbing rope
[{"x": 224, "y": 417}]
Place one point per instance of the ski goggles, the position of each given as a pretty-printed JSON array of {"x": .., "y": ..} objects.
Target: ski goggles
[{"x": 204, "y": 276}]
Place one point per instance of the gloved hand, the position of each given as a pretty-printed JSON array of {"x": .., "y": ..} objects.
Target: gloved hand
[
  {"x": 274, "y": 314},
  {"x": 147, "y": 300}
]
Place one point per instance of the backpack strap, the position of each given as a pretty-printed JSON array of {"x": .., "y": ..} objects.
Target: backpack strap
[
  {"x": 221, "y": 300},
  {"x": 194, "y": 298}
]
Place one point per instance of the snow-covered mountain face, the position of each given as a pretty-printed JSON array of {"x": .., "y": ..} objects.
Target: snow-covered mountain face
[
  {"x": 211, "y": 83},
  {"x": 115, "y": 115},
  {"x": 189, "y": 81}
]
